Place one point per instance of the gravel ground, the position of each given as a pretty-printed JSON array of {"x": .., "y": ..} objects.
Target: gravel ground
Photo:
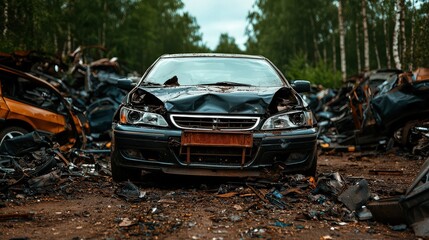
[{"x": 179, "y": 207}]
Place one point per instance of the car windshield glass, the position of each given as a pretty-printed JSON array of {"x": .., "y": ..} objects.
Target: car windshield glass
[{"x": 214, "y": 71}]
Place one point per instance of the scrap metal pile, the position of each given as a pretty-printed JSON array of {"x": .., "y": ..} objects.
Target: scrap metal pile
[
  {"x": 71, "y": 105},
  {"x": 376, "y": 111}
]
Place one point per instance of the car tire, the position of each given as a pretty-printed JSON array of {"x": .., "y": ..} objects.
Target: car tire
[
  {"x": 120, "y": 174},
  {"x": 11, "y": 132},
  {"x": 311, "y": 172}
]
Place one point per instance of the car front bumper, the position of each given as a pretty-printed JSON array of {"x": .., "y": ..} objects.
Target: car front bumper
[{"x": 155, "y": 149}]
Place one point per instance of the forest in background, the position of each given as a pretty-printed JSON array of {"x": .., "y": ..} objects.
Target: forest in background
[{"x": 324, "y": 41}]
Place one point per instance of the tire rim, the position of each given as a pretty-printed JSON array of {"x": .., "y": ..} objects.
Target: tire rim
[{"x": 11, "y": 135}]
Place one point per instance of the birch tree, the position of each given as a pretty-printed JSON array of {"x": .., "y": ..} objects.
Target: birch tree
[
  {"x": 342, "y": 41},
  {"x": 396, "y": 33},
  {"x": 6, "y": 17},
  {"x": 413, "y": 22},
  {"x": 365, "y": 36},
  {"x": 403, "y": 36}
]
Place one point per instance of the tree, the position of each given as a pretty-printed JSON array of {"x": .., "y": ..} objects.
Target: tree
[
  {"x": 384, "y": 8},
  {"x": 421, "y": 51},
  {"x": 139, "y": 31},
  {"x": 365, "y": 36},
  {"x": 342, "y": 40},
  {"x": 136, "y": 30},
  {"x": 396, "y": 33},
  {"x": 359, "y": 66},
  {"x": 227, "y": 44},
  {"x": 6, "y": 17}
]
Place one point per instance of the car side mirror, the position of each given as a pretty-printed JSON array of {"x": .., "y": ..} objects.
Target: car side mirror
[
  {"x": 122, "y": 83},
  {"x": 301, "y": 86},
  {"x": 126, "y": 84}
]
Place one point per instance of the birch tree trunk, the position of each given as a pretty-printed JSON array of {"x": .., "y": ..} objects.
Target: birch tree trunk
[
  {"x": 404, "y": 38},
  {"x": 359, "y": 65},
  {"x": 365, "y": 37},
  {"x": 6, "y": 17},
  {"x": 387, "y": 42},
  {"x": 396, "y": 32},
  {"x": 413, "y": 21},
  {"x": 342, "y": 40}
]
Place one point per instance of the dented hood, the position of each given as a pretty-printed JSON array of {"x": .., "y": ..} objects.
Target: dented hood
[{"x": 216, "y": 99}]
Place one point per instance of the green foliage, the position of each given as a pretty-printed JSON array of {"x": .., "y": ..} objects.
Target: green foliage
[
  {"x": 421, "y": 52},
  {"x": 320, "y": 74},
  {"x": 139, "y": 31},
  {"x": 135, "y": 31},
  {"x": 284, "y": 31},
  {"x": 227, "y": 44}
]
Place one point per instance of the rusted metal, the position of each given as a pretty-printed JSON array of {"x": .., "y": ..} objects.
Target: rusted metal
[
  {"x": 61, "y": 156},
  {"x": 227, "y": 195},
  {"x": 258, "y": 193},
  {"x": 215, "y": 139}
]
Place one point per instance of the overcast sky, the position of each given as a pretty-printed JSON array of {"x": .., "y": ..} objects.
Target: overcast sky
[{"x": 220, "y": 16}]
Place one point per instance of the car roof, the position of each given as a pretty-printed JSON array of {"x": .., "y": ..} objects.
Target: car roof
[
  {"x": 382, "y": 75},
  {"x": 223, "y": 55},
  {"x": 28, "y": 75}
]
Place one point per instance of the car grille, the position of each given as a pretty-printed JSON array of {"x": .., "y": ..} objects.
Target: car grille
[{"x": 204, "y": 122}]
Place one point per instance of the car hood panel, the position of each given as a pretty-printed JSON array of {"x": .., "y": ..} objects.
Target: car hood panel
[{"x": 215, "y": 99}]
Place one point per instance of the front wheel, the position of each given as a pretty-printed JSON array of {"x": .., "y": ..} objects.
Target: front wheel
[
  {"x": 11, "y": 132},
  {"x": 313, "y": 168},
  {"x": 120, "y": 174}
]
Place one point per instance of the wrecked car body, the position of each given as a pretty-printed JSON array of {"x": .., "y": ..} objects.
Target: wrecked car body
[
  {"x": 28, "y": 104},
  {"x": 386, "y": 106},
  {"x": 404, "y": 107},
  {"x": 220, "y": 115}
]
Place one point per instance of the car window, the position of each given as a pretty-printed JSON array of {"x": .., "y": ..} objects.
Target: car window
[
  {"x": 212, "y": 71},
  {"x": 31, "y": 92}
]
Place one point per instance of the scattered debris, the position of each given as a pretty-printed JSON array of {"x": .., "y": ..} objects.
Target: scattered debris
[
  {"x": 130, "y": 192},
  {"x": 356, "y": 196}
]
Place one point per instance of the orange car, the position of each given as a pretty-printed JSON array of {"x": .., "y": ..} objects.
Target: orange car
[{"x": 28, "y": 103}]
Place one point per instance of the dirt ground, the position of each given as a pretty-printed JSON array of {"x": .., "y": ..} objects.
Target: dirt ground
[{"x": 178, "y": 207}]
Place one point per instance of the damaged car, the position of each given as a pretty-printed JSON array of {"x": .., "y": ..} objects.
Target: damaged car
[
  {"x": 213, "y": 115},
  {"x": 28, "y": 104}
]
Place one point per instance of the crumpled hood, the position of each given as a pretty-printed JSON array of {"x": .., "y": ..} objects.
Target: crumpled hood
[{"x": 215, "y": 99}]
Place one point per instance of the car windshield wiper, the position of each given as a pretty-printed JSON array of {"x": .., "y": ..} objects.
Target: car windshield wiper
[
  {"x": 150, "y": 84},
  {"x": 227, "y": 84}
]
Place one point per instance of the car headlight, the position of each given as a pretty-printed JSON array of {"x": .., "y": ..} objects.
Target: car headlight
[
  {"x": 289, "y": 120},
  {"x": 132, "y": 116}
]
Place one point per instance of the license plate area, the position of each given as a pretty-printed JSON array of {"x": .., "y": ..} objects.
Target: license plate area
[{"x": 198, "y": 139}]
